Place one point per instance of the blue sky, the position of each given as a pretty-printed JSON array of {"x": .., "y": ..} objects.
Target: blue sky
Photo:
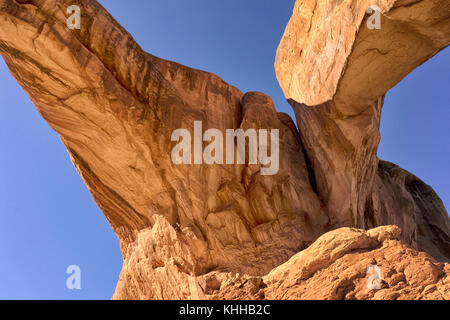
[{"x": 48, "y": 218}]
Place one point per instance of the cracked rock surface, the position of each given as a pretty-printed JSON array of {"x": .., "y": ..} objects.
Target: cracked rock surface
[{"x": 226, "y": 231}]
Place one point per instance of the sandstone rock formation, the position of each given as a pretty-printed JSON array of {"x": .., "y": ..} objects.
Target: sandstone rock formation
[
  {"x": 335, "y": 71},
  {"x": 192, "y": 231},
  {"x": 336, "y": 267}
]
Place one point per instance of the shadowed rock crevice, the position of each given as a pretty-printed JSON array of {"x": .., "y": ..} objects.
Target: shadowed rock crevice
[{"x": 431, "y": 217}]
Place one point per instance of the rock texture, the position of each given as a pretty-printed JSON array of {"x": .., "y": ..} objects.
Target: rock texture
[
  {"x": 196, "y": 231},
  {"x": 335, "y": 71},
  {"x": 335, "y": 267},
  {"x": 115, "y": 108}
]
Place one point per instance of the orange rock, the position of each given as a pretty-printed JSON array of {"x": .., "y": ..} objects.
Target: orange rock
[
  {"x": 335, "y": 267},
  {"x": 224, "y": 231},
  {"x": 335, "y": 71}
]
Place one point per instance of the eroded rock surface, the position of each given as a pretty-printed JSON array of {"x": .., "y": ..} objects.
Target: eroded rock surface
[
  {"x": 339, "y": 265},
  {"x": 335, "y": 71},
  {"x": 336, "y": 267},
  {"x": 115, "y": 108},
  {"x": 192, "y": 231}
]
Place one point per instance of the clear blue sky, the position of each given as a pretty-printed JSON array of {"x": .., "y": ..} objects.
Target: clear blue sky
[{"x": 48, "y": 218}]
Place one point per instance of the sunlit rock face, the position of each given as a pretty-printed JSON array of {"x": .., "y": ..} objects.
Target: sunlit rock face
[
  {"x": 197, "y": 230},
  {"x": 341, "y": 264},
  {"x": 335, "y": 63},
  {"x": 115, "y": 108}
]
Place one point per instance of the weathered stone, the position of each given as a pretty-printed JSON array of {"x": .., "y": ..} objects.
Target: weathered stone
[
  {"x": 338, "y": 266},
  {"x": 335, "y": 71},
  {"x": 115, "y": 108},
  {"x": 207, "y": 231}
]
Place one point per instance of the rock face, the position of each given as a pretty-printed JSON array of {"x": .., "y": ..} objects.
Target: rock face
[
  {"x": 338, "y": 266},
  {"x": 339, "y": 271},
  {"x": 196, "y": 230},
  {"x": 335, "y": 71}
]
